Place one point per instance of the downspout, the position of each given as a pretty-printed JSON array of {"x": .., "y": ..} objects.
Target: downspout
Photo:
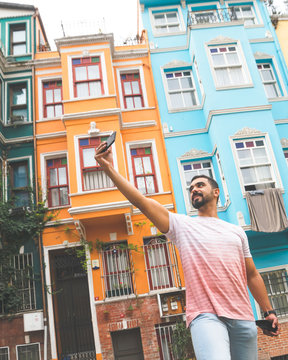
[{"x": 40, "y": 243}]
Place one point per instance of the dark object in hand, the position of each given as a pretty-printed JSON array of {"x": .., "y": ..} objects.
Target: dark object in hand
[
  {"x": 266, "y": 325},
  {"x": 109, "y": 141}
]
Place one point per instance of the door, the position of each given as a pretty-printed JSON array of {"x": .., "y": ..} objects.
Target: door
[
  {"x": 72, "y": 312},
  {"x": 127, "y": 345}
]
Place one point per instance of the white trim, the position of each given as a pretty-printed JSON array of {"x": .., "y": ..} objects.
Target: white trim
[
  {"x": 29, "y": 344},
  {"x": 47, "y": 72},
  {"x": 270, "y": 154},
  {"x": 126, "y": 63},
  {"x": 78, "y": 162},
  {"x": 134, "y": 69},
  {"x": 99, "y": 207},
  {"x": 143, "y": 143},
  {"x": 103, "y": 70},
  {"x": 161, "y": 9},
  {"x": 6, "y": 347},
  {"x": 255, "y": 9},
  {"x": 28, "y": 42},
  {"x": 49, "y": 156},
  {"x": 51, "y": 135},
  {"x": 84, "y": 48}
]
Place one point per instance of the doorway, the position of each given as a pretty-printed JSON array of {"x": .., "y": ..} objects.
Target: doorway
[{"x": 127, "y": 345}]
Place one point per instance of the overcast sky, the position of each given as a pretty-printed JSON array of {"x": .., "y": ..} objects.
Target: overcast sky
[{"x": 81, "y": 17}]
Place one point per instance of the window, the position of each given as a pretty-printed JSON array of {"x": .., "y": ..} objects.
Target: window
[
  {"x": 132, "y": 92},
  {"x": 281, "y": 357},
  {"x": 19, "y": 183},
  {"x": 28, "y": 352},
  {"x": 254, "y": 163},
  {"x": 87, "y": 77},
  {"x": 18, "y": 102},
  {"x": 117, "y": 271},
  {"x": 143, "y": 170},
  {"x": 57, "y": 179},
  {"x": 269, "y": 80},
  {"x": 93, "y": 177},
  {"x": 181, "y": 89},
  {"x": 18, "y": 39},
  {"x": 227, "y": 66},
  {"x": 246, "y": 13},
  {"x": 276, "y": 283},
  {"x": 52, "y": 97},
  {"x": 166, "y": 22},
  {"x": 159, "y": 264},
  {"x": 204, "y": 17},
  {"x": 4, "y": 353}
]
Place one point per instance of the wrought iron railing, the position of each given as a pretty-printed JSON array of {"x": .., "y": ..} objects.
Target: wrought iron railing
[{"x": 212, "y": 16}]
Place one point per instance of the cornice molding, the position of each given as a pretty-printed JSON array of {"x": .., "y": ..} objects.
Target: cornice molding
[
  {"x": 139, "y": 124},
  {"x": 91, "y": 114},
  {"x": 51, "y": 135},
  {"x": 176, "y": 64},
  {"x": 248, "y": 132},
  {"x": 260, "y": 55},
  {"x": 87, "y": 39},
  {"x": 221, "y": 40},
  {"x": 99, "y": 207},
  {"x": 194, "y": 154}
]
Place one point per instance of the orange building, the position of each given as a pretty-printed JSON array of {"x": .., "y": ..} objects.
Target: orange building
[{"x": 113, "y": 283}]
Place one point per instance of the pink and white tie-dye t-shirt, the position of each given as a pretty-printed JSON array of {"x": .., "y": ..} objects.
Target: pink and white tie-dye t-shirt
[{"x": 213, "y": 255}]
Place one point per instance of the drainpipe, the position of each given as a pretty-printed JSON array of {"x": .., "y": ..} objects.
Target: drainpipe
[{"x": 40, "y": 242}]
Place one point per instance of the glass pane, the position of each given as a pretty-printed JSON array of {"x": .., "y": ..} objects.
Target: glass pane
[
  {"x": 19, "y": 36},
  {"x": 64, "y": 196},
  {"x": 57, "y": 95},
  {"x": 19, "y": 96},
  {"x": 222, "y": 77},
  {"x": 186, "y": 83},
  {"x": 260, "y": 155},
  {"x": 171, "y": 17},
  {"x": 150, "y": 184},
  {"x": 249, "y": 175},
  {"x": 80, "y": 73},
  {"x": 245, "y": 157},
  {"x": 271, "y": 90},
  {"x": 88, "y": 157},
  {"x": 189, "y": 98},
  {"x": 50, "y": 111},
  {"x": 82, "y": 90},
  {"x": 138, "y": 102},
  {"x": 247, "y": 11},
  {"x": 232, "y": 58},
  {"x": 189, "y": 175},
  {"x": 20, "y": 112},
  {"x": 218, "y": 59},
  {"x": 147, "y": 165},
  {"x": 135, "y": 87},
  {"x": 129, "y": 103},
  {"x": 49, "y": 96},
  {"x": 138, "y": 166},
  {"x": 173, "y": 84},
  {"x": 93, "y": 72},
  {"x": 267, "y": 75},
  {"x": 173, "y": 28},
  {"x": 237, "y": 75},
  {"x": 159, "y": 19},
  {"x": 264, "y": 173},
  {"x": 176, "y": 100},
  {"x": 62, "y": 176},
  {"x": 127, "y": 88},
  {"x": 95, "y": 88},
  {"x": 19, "y": 49},
  {"x": 54, "y": 197},
  {"x": 58, "y": 110},
  {"x": 249, "y": 21},
  {"x": 141, "y": 185},
  {"x": 53, "y": 177},
  {"x": 20, "y": 176}
]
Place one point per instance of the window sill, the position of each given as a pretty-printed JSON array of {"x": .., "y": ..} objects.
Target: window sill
[
  {"x": 280, "y": 98},
  {"x": 18, "y": 123},
  {"x": 59, "y": 207},
  {"x": 142, "y": 108},
  {"x": 73, "y": 99},
  {"x": 196, "y": 107},
  {"x": 93, "y": 191},
  {"x": 181, "y": 32},
  {"x": 232, "y": 87},
  {"x": 50, "y": 119}
]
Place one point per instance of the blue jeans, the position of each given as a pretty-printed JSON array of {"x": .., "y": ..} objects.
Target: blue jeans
[{"x": 220, "y": 338}]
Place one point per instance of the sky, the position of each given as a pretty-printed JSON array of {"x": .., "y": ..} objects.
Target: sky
[{"x": 80, "y": 17}]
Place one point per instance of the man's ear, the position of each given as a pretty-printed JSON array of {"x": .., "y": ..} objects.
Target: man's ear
[{"x": 216, "y": 192}]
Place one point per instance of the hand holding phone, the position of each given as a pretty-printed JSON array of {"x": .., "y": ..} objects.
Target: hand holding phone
[
  {"x": 266, "y": 325},
  {"x": 109, "y": 141}
]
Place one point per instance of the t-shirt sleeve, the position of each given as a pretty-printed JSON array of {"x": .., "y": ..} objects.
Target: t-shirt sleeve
[
  {"x": 171, "y": 234},
  {"x": 245, "y": 243}
]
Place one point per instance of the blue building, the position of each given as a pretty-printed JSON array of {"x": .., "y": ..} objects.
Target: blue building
[{"x": 222, "y": 82}]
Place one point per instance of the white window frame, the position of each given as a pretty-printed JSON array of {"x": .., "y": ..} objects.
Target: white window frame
[
  {"x": 78, "y": 162},
  {"x": 163, "y": 10},
  {"x": 255, "y": 8},
  {"x": 254, "y": 17},
  {"x": 215, "y": 6},
  {"x": 164, "y": 71},
  {"x": 270, "y": 154},
  {"x": 41, "y": 82},
  {"x": 37, "y": 343},
  {"x": 181, "y": 162},
  {"x": 271, "y": 269},
  {"x": 242, "y": 63},
  {"x": 6, "y": 96},
  {"x": 141, "y": 144},
  {"x": 132, "y": 70},
  {"x": 8, "y": 352},
  {"x": 43, "y": 159},
  {"x": 71, "y": 80},
  {"x": 268, "y": 82},
  {"x": 28, "y": 37}
]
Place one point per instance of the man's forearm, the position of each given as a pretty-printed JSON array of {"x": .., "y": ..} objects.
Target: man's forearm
[{"x": 258, "y": 290}]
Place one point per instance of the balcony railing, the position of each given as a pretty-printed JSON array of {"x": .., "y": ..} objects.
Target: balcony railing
[
  {"x": 212, "y": 16},
  {"x": 137, "y": 40}
]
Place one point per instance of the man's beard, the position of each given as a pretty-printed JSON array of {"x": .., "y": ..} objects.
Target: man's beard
[{"x": 201, "y": 200}]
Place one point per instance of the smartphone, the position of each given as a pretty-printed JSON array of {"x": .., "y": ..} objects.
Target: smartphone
[
  {"x": 109, "y": 141},
  {"x": 266, "y": 325}
]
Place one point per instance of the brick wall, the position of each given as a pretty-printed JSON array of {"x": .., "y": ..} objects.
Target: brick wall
[
  {"x": 120, "y": 315},
  {"x": 273, "y": 346}
]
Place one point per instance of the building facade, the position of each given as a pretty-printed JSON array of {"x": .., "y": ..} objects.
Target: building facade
[
  {"x": 221, "y": 83},
  {"x": 21, "y": 36}
]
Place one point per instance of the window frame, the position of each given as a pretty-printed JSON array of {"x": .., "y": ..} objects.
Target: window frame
[
  {"x": 12, "y": 86},
  {"x": 242, "y": 64},
  {"x": 9, "y": 185},
  {"x": 164, "y": 10},
  {"x": 22, "y": 345},
  {"x": 53, "y": 87},
  {"x": 8, "y": 351},
  {"x": 243, "y": 17},
  {"x": 268, "y": 82},
  {"x": 142, "y": 144},
  {"x": 16, "y": 27},
  {"x": 255, "y": 8},
  {"x": 270, "y": 270}
]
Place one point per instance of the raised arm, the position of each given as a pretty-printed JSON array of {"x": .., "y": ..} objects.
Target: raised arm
[{"x": 154, "y": 211}]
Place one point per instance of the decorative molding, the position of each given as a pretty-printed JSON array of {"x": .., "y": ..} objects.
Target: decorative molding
[
  {"x": 221, "y": 40},
  {"x": 195, "y": 154},
  {"x": 248, "y": 132},
  {"x": 80, "y": 228},
  {"x": 91, "y": 114},
  {"x": 99, "y": 207},
  {"x": 261, "y": 40},
  {"x": 176, "y": 64},
  {"x": 284, "y": 143},
  {"x": 139, "y": 124},
  {"x": 51, "y": 135},
  {"x": 260, "y": 55}
]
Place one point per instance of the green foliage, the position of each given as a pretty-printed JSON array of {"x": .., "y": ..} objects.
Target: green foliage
[{"x": 181, "y": 342}]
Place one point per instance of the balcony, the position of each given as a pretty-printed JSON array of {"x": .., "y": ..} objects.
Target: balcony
[{"x": 214, "y": 16}]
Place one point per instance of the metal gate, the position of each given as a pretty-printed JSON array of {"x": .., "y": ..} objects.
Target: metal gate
[{"x": 72, "y": 312}]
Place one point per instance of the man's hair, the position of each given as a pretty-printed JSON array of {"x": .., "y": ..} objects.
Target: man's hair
[{"x": 211, "y": 181}]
